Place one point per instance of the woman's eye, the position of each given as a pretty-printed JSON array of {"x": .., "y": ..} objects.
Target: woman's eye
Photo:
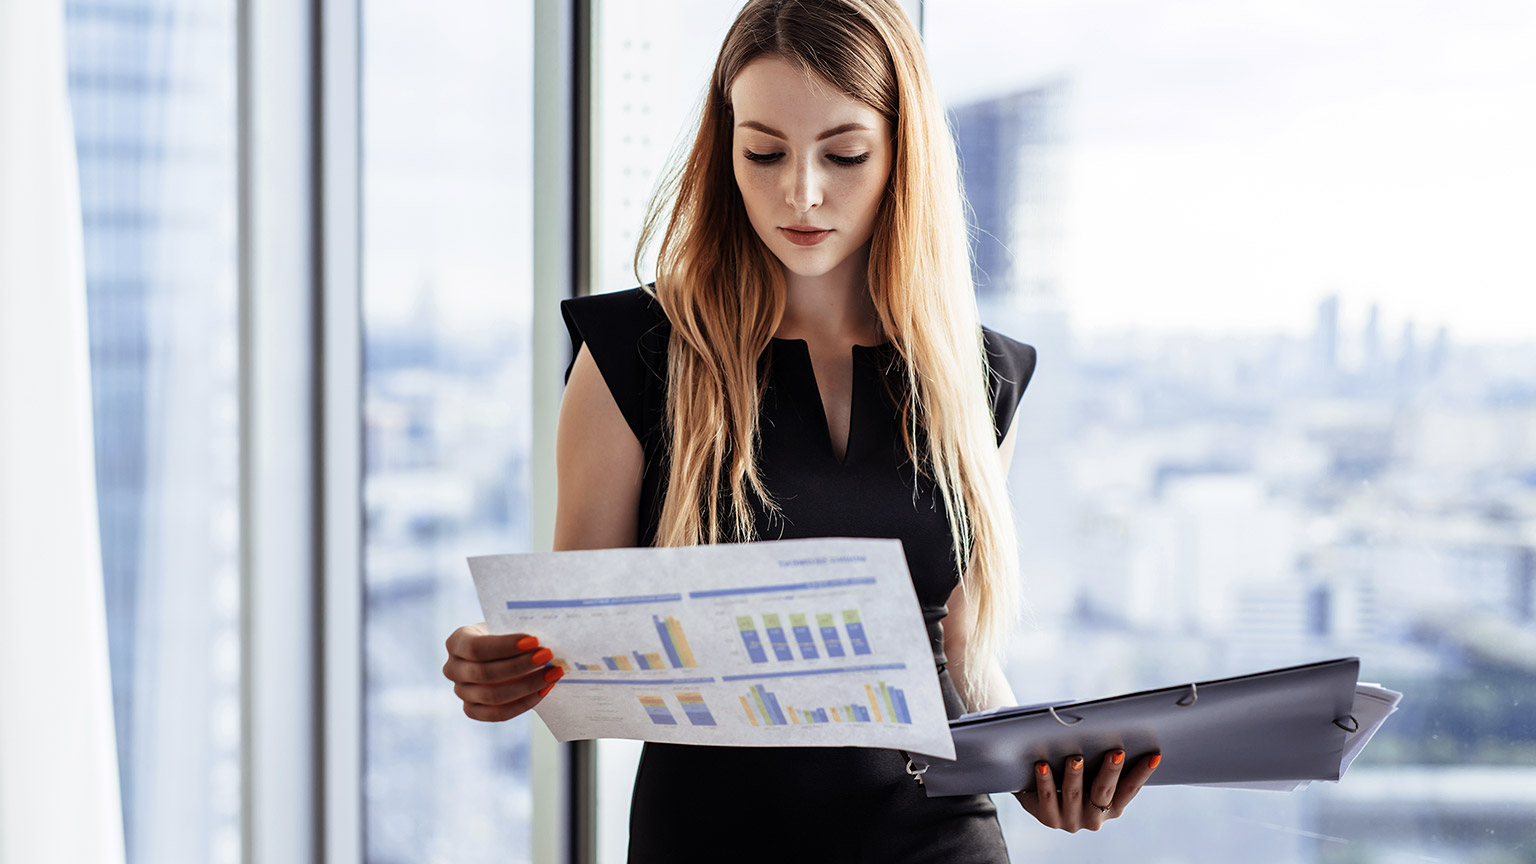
[
  {"x": 849, "y": 160},
  {"x": 761, "y": 157}
]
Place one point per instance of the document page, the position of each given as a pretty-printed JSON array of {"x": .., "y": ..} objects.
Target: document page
[{"x": 785, "y": 643}]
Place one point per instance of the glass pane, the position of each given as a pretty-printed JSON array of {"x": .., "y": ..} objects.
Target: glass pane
[
  {"x": 1287, "y": 391},
  {"x": 152, "y": 87},
  {"x": 447, "y": 256}
]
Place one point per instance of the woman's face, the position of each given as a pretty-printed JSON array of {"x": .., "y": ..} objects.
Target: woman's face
[{"x": 811, "y": 164}]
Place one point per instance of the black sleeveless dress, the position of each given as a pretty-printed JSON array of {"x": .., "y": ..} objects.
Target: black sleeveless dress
[{"x": 742, "y": 804}]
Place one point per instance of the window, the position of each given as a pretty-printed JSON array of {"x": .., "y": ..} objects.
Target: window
[
  {"x": 1284, "y": 407},
  {"x": 447, "y": 260},
  {"x": 153, "y": 96}
]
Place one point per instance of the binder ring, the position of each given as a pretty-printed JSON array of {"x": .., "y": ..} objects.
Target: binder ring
[
  {"x": 1057, "y": 717},
  {"x": 1354, "y": 725},
  {"x": 1189, "y": 698},
  {"x": 917, "y": 773}
]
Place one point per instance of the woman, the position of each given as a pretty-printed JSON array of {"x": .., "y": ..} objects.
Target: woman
[{"x": 808, "y": 363}]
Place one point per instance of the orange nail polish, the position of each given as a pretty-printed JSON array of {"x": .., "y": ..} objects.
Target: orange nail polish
[
  {"x": 1077, "y": 764},
  {"x": 542, "y": 656},
  {"x": 547, "y": 688},
  {"x": 553, "y": 673},
  {"x": 527, "y": 643},
  {"x": 1117, "y": 757},
  {"x": 1152, "y": 763},
  {"x": 1043, "y": 769}
]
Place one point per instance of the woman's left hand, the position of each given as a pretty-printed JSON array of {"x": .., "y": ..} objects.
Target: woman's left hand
[{"x": 1072, "y": 808}]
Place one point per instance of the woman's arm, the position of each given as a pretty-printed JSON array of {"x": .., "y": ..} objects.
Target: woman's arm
[{"x": 598, "y": 462}]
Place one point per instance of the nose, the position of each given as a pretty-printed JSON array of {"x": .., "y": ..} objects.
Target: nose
[{"x": 804, "y": 187}]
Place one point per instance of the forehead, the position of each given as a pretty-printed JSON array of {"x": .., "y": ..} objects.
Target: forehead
[{"x": 776, "y": 93}]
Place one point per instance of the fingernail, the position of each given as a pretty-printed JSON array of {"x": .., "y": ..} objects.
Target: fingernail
[
  {"x": 553, "y": 673},
  {"x": 1077, "y": 764},
  {"x": 1152, "y": 763},
  {"x": 547, "y": 688},
  {"x": 527, "y": 643},
  {"x": 1117, "y": 757},
  {"x": 1043, "y": 769},
  {"x": 542, "y": 656}
]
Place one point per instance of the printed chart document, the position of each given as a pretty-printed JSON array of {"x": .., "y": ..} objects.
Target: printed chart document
[{"x": 785, "y": 643}]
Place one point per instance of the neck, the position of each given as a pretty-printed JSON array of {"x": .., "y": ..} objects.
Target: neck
[{"x": 834, "y": 307}]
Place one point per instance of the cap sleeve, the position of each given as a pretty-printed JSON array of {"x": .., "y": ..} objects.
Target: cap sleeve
[
  {"x": 1012, "y": 364},
  {"x": 626, "y": 333}
]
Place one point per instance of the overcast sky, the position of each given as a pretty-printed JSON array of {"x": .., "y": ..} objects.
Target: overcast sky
[{"x": 1229, "y": 163}]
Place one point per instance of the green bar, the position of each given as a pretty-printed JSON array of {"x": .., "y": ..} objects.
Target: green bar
[
  {"x": 824, "y": 620},
  {"x": 770, "y": 620},
  {"x": 744, "y": 622},
  {"x": 885, "y": 696},
  {"x": 851, "y": 616},
  {"x": 796, "y": 619},
  {"x": 762, "y": 709}
]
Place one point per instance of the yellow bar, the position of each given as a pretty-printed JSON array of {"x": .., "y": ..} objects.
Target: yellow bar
[
  {"x": 680, "y": 642},
  {"x": 793, "y": 717},
  {"x": 874, "y": 705},
  {"x": 836, "y": 717},
  {"x": 748, "y": 708},
  {"x": 624, "y": 663},
  {"x": 654, "y": 659}
]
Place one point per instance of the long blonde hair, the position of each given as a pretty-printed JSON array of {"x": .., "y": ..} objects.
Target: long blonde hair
[{"x": 723, "y": 291}]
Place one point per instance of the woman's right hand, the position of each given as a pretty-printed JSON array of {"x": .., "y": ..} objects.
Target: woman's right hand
[{"x": 498, "y": 676}]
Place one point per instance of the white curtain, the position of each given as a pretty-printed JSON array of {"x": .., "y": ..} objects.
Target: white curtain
[{"x": 59, "y": 798}]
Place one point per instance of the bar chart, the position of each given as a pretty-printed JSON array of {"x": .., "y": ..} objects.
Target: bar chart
[
  {"x": 656, "y": 708},
  {"x": 695, "y": 709},
  {"x": 879, "y": 703},
  {"x": 675, "y": 653},
  {"x": 801, "y": 636}
]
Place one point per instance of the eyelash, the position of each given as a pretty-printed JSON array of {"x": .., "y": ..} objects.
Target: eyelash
[{"x": 770, "y": 158}]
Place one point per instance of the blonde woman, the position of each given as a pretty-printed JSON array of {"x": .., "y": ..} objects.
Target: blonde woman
[{"x": 807, "y": 363}]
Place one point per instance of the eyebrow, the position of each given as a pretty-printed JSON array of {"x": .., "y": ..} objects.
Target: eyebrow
[{"x": 830, "y": 133}]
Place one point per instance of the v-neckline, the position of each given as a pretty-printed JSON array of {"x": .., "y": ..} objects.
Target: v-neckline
[{"x": 821, "y": 405}]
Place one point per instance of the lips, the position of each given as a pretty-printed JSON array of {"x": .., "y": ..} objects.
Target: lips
[{"x": 805, "y": 235}]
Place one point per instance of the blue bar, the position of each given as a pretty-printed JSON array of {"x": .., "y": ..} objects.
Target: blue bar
[
  {"x": 901, "y": 705},
  {"x": 807, "y": 644},
  {"x": 640, "y": 660},
  {"x": 779, "y": 643},
  {"x": 754, "y": 645},
  {"x": 793, "y": 586},
  {"x": 834, "y": 644},
  {"x": 666, "y": 642},
  {"x": 856, "y": 636},
  {"x": 609, "y": 661},
  {"x": 861, "y": 713},
  {"x": 593, "y": 601},
  {"x": 699, "y": 715},
  {"x": 821, "y": 715},
  {"x": 660, "y": 715},
  {"x": 773, "y": 705},
  {"x": 873, "y": 667}
]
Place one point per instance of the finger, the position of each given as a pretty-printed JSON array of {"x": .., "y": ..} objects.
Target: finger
[
  {"x": 1047, "y": 805},
  {"x": 471, "y": 642},
  {"x": 1102, "y": 793},
  {"x": 1072, "y": 816},
  {"x": 1134, "y": 779},
  {"x": 499, "y": 713},
  {"x": 470, "y": 672},
  {"x": 506, "y": 692}
]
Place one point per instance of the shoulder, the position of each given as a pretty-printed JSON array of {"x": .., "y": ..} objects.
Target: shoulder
[
  {"x": 626, "y": 333},
  {"x": 1010, "y": 366}
]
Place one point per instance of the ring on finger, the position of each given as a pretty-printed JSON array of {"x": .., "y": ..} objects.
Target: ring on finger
[{"x": 1102, "y": 810}]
